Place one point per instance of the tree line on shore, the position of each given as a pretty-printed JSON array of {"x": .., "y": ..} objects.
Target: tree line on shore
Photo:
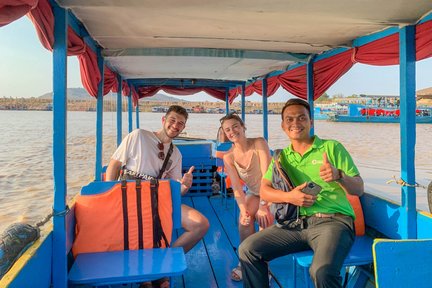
[{"x": 39, "y": 104}]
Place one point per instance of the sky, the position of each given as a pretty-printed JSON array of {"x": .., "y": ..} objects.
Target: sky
[{"x": 26, "y": 71}]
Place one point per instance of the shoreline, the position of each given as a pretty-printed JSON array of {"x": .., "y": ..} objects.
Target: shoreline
[{"x": 37, "y": 104}]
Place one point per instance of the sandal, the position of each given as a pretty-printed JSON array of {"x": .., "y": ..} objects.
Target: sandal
[
  {"x": 161, "y": 283},
  {"x": 236, "y": 274}
]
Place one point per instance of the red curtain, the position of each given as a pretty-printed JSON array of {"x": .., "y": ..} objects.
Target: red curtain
[
  {"x": 294, "y": 81},
  {"x": 384, "y": 51},
  {"x": 125, "y": 88},
  {"x": 11, "y": 10},
  {"x": 43, "y": 20},
  {"x": 424, "y": 40},
  {"x": 256, "y": 87},
  {"x": 329, "y": 70}
]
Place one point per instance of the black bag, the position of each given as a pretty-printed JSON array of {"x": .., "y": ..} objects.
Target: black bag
[{"x": 286, "y": 215}]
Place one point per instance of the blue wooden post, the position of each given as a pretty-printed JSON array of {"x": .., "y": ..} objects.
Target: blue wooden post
[
  {"x": 310, "y": 91},
  {"x": 119, "y": 110},
  {"x": 227, "y": 108},
  {"x": 137, "y": 115},
  {"x": 99, "y": 118},
  {"x": 130, "y": 111},
  {"x": 408, "y": 129},
  {"x": 243, "y": 102},
  {"x": 265, "y": 108},
  {"x": 59, "y": 265}
]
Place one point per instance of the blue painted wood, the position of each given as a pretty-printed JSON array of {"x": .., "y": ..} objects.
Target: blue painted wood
[
  {"x": 424, "y": 225},
  {"x": 194, "y": 149},
  {"x": 200, "y": 271},
  {"x": 137, "y": 115},
  {"x": 428, "y": 17},
  {"x": 127, "y": 266},
  {"x": 282, "y": 269},
  {"x": 403, "y": 263},
  {"x": 119, "y": 110},
  {"x": 225, "y": 213},
  {"x": 185, "y": 83},
  {"x": 360, "y": 254},
  {"x": 382, "y": 215},
  {"x": 265, "y": 108},
  {"x": 130, "y": 112},
  {"x": 70, "y": 228},
  {"x": 374, "y": 36},
  {"x": 310, "y": 91},
  {"x": 227, "y": 109},
  {"x": 99, "y": 118},
  {"x": 37, "y": 272},
  {"x": 243, "y": 102},
  {"x": 408, "y": 128},
  {"x": 219, "y": 249},
  {"x": 59, "y": 271}
]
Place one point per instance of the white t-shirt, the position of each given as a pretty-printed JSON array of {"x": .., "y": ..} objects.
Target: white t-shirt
[{"x": 139, "y": 152}]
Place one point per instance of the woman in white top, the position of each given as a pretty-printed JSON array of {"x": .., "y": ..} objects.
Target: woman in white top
[{"x": 247, "y": 160}]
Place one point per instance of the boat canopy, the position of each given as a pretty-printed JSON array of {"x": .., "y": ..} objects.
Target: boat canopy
[{"x": 218, "y": 46}]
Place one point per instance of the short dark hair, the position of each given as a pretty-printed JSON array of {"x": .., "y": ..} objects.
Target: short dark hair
[
  {"x": 296, "y": 101},
  {"x": 177, "y": 109}
]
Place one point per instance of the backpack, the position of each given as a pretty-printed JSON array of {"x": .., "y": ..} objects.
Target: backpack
[{"x": 286, "y": 214}]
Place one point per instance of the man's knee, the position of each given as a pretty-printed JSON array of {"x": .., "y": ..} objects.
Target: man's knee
[
  {"x": 203, "y": 225},
  {"x": 197, "y": 224}
]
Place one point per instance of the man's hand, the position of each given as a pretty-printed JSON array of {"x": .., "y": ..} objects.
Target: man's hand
[
  {"x": 328, "y": 172},
  {"x": 187, "y": 179},
  {"x": 301, "y": 199},
  {"x": 264, "y": 217}
]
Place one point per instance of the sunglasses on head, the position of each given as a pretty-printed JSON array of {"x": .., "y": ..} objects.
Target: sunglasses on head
[
  {"x": 232, "y": 115},
  {"x": 161, "y": 153}
]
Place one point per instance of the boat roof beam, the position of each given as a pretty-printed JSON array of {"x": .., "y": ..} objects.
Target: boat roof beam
[{"x": 185, "y": 83}]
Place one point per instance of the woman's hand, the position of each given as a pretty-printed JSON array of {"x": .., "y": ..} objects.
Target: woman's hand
[
  {"x": 244, "y": 218},
  {"x": 264, "y": 217}
]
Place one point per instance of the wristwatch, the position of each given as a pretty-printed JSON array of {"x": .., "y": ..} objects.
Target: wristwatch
[{"x": 263, "y": 202}]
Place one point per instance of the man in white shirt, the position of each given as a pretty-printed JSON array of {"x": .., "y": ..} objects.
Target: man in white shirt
[{"x": 142, "y": 154}]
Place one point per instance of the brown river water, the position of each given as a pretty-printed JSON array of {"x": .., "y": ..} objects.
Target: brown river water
[{"x": 26, "y": 183}]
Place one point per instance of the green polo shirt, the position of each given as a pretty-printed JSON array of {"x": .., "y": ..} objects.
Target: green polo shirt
[{"x": 332, "y": 198}]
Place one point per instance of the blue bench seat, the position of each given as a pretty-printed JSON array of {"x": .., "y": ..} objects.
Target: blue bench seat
[
  {"x": 360, "y": 254},
  {"x": 129, "y": 266}
]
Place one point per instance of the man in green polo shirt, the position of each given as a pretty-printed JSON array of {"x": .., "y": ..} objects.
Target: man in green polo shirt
[{"x": 326, "y": 222}]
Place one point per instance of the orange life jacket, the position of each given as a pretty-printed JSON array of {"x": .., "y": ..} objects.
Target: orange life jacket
[{"x": 122, "y": 218}]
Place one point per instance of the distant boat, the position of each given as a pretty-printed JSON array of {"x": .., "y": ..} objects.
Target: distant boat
[
  {"x": 159, "y": 109},
  {"x": 320, "y": 113},
  {"x": 376, "y": 114}
]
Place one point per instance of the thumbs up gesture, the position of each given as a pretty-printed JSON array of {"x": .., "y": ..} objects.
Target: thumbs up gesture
[
  {"x": 327, "y": 171},
  {"x": 187, "y": 178}
]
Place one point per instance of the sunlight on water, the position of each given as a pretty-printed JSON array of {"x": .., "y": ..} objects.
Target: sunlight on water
[{"x": 26, "y": 183}]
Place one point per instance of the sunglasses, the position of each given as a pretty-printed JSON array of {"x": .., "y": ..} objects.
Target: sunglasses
[
  {"x": 232, "y": 115},
  {"x": 161, "y": 153}
]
